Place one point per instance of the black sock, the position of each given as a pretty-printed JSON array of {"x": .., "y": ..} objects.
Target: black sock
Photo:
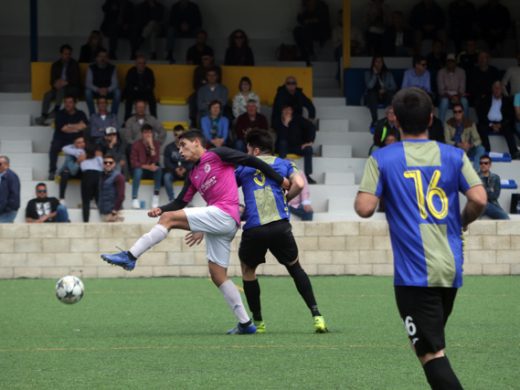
[
  {"x": 132, "y": 256},
  {"x": 252, "y": 292},
  {"x": 245, "y": 324},
  {"x": 440, "y": 375},
  {"x": 304, "y": 287}
]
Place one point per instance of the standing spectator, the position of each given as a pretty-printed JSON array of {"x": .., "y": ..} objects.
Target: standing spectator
[
  {"x": 145, "y": 163},
  {"x": 428, "y": 21},
  {"x": 462, "y": 16},
  {"x": 244, "y": 95},
  {"x": 491, "y": 182},
  {"x": 461, "y": 132},
  {"x": 290, "y": 95},
  {"x": 113, "y": 146},
  {"x": 195, "y": 52},
  {"x": 89, "y": 50},
  {"x": 9, "y": 192},
  {"x": 496, "y": 115},
  {"x": 494, "y": 22},
  {"x": 45, "y": 209},
  {"x": 184, "y": 22},
  {"x": 74, "y": 156},
  {"x": 481, "y": 78},
  {"x": 150, "y": 15},
  {"x": 301, "y": 205},
  {"x": 210, "y": 92},
  {"x": 386, "y": 131},
  {"x": 295, "y": 134},
  {"x": 70, "y": 122},
  {"x": 91, "y": 168},
  {"x": 111, "y": 191},
  {"x": 215, "y": 126},
  {"x": 377, "y": 18},
  {"x": 175, "y": 167},
  {"x": 436, "y": 60},
  {"x": 380, "y": 86},
  {"x": 512, "y": 77},
  {"x": 64, "y": 81},
  {"x": 398, "y": 40},
  {"x": 119, "y": 22},
  {"x": 249, "y": 120},
  {"x": 468, "y": 58},
  {"x": 100, "y": 121},
  {"x": 140, "y": 85},
  {"x": 239, "y": 52},
  {"x": 418, "y": 76},
  {"x": 451, "y": 85},
  {"x": 313, "y": 25},
  {"x": 101, "y": 80},
  {"x": 134, "y": 125}
]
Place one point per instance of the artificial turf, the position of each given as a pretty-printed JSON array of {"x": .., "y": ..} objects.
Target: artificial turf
[{"x": 169, "y": 333}]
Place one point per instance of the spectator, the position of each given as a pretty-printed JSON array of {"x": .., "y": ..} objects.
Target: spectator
[
  {"x": 209, "y": 92},
  {"x": 239, "y": 52},
  {"x": 195, "y": 52},
  {"x": 244, "y": 95},
  {"x": 494, "y": 22},
  {"x": 89, "y": 50},
  {"x": 436, "y": 130},
  {"x": 462, "y": 16},
  {"x": 133, "y": 125},
  {"x": 102, "y": 81},
  {"x": 462, "y": 133},
  {"x": 44, "y": 209},
  {"x": 516, "y": 104},
  {"x": 175, "y": 167},
  {"x": 295, "y": 134},
  {"x": 386, "y": 131},
  {"x": 150, "y": 15},
  {"x": 377, "y": 18},
  {"x": 451, "y": 85},
  {"x": 185, "y": 22},
  {"x": 140, "y": 85},
  {"x": 91, "y": 169},
  {"x": 481, "y": 78},
  {"x": 491, "y": 182},
  {"x": 301, "y": 204},
  {"x": 313, "y": 25},
  {"x": 436, "y": 60},
  {"x": 100, "y": 121},
  {"x": 512, "y": 77},
  {"x": 74, "y": 156},
  {"x": 9, "y": 192},
  {"x": 496, "y": 115},
  {"x": 70, "y": 123},
  {"x": 215, "y": 126},
  {"x": 64, "y": 82},
  {"x": 145, "y": 163},
  {"x": 113, "y": 146},
  {"x": 468, "y": 58},
  {"x": 118, "y": 22},
  {"x": 398, "y": 40},
  {"x": 111, "y": 191},
  {"x": 249, "y": 120},
  {"x": 200, "y": 79},
  {"x": 428, "y": 21},
  {"x": 418, "y": 76},
  {"x": 290, "y": 95},
  {"x": 380, "y": 86}
]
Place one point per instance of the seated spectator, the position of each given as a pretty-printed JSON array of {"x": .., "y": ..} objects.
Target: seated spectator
[
  {"x": 481, "y": 78},
  {"x": 428, "y": 21},
  {"x": 451, "y": 86},
  {"x": 249, "y": 120},
  {"x": 313, "y": 25},
  {"x": 496, "y": 116},
  {"x": 418, "y": 76},
  {"x": 377, "y": 19},
  {"x": 295, "y": 134},
  {"x": 244, "y": 95},
  {"x": 45, "y": 209},
  {"x": 140, "y": 85},
  {"x": 185, "y": 21},
  {"x": 290, "y": 95},
  {"x": 491, "y": 182},
  {"x": 9, "y": 192},
  {"x": 195, "y": 52},
  {"x": 113, "y": 146},
  {"x": 175, "y": 167},
  {"x": 74, "y": 156},
  {"x": 134, "y": 125},
  {"x": 398, "y": 40},
  {"x": 111, "y": 191},
  {"x": 64, "y": 82},
  {"x": 239, "y": 52},
  {"x": 462, "y": 16},
  {"x": 512, "y": 77},
  {"x": 91, "y": 169},
  {"x": 149, "y": 23},
  {"x": 145, "y": 164},
  {"x": 119, "y": 22},
  {"x": 379, "y": 86},
  {"x": 386, "y": 131},
  {"x": 215, "y": 126},
  {"x": 100, "y": 121},
  {"x": 89, "y": 50},
  {"x": 200, "y": 79},
  {"x": 468, "y": 58},
  {"x": 461, "y": 132},
  {"x": 70, "y": 123},
  {"x": 436, "y": 130},
  {"x": 210, "y": 92},
  {"x": 101, "y": 80},
  {"x": 301, "y": 204},
  {"x": 494, "y": 21},
  {"x": 436, "y": 60}
]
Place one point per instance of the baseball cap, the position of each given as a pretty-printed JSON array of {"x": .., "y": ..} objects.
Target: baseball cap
[
  {"x": 451, "y": 57},
  {"x": 110, "y": 130}
]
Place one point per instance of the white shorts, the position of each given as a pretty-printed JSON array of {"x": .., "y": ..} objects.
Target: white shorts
[{"x": 219, "y": 230}]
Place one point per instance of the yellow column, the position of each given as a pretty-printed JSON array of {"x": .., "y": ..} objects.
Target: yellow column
[{"x": 346, "y": 33}]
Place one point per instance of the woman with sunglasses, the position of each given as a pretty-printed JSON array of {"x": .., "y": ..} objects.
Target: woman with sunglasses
[{"x": 239, "y": 53}]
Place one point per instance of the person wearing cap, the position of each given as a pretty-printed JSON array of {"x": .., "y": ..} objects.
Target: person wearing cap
[
  {"x": 100, "y": 121},
  {"x": 112, "y": 144},
  {"x": 451, "y": 86}
]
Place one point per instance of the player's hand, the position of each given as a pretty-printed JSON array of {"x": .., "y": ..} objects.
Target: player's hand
[
  {"x": 193, "y": 238},
  {"x": 156, "y": 212},
  {"x": 286, "y": 184}
]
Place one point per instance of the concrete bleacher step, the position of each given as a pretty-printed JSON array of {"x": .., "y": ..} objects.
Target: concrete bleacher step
[
  {"x": 341, "y": 204},
  {"x": 15, "y": 146},
  {"x": 360, "y": 142},
  {"x": 339, "y": 125},
  {"x": 340, "y": 178},
  {"x": 339, "y": 151},
  {"x": 15, "y": 119},
  {"x": 321, "y": 102},
  {"x": 15, "y": 96}
]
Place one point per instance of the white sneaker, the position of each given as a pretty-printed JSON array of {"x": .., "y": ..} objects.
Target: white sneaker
[
  {"x": 136, "y": 204},
  {"x": 155, "y": 201}
]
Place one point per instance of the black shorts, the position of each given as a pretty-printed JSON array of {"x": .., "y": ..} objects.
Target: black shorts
[
  {"x": 425, "y": 311},
  {"x": 275, "y": 236}
]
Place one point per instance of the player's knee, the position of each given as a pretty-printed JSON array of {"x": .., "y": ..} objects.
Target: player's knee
[
  {"x": 430, "y": 356},
  {"x": 248, "y": 273},
  {"x": 293, "y": 267}
]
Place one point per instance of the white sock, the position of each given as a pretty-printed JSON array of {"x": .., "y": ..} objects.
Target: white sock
[
  {"x": 232, "y": 297},
  {"x": 153, "y": 237}
]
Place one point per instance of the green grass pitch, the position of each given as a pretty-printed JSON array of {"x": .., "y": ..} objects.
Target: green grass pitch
[{"x": 168, "y": 333}]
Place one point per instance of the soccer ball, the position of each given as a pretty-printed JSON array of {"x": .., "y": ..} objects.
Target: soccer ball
[{"x": 69, "y": 289}]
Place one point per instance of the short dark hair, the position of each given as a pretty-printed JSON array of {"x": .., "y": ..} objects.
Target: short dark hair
[
  {"x": 214, "y": 102},
  {"x": 413, "y": 108},
  {"x": 66, "y": 46},
  {"x": 109, "y": 155},
  {"x": 485, "y": 157},
  {"x": 192, "y": 135},
  {"x": 458, "y": 105},
  {"x": 146, "y": 126},
  {"x": 101, "y": 50},
  {"x": 71, "y": 97},
  {"x": 41, "y": 184},
  {"x": 261, "y": 139},
  {"x": 178, "y": 127},
  {"x": 419, "y": 59}
]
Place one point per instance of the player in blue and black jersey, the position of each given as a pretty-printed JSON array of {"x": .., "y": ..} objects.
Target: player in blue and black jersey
[
  {"x": 419, "y": 181},
  {"x": 267, "y": 227}
]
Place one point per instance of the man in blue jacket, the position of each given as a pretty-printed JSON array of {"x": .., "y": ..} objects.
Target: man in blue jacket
[{"x": 9, "y": 192}]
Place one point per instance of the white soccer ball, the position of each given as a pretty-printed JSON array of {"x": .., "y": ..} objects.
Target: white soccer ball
[{"x": 69, "y": 289}]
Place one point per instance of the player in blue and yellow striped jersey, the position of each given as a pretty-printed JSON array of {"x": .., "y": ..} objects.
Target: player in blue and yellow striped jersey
[
  {"x": 419, "y": 181},
  {"x": 267, "y": 227}
]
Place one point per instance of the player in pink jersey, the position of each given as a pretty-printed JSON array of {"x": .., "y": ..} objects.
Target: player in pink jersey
[{"x": 213, "y": 175}]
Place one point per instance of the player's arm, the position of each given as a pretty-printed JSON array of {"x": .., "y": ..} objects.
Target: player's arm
[
  {"x": 366, "y": 199},
  {"x": 296, "y": 187},
  {"x": 181, "y": 200}
]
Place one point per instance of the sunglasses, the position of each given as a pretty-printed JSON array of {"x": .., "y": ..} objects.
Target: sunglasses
[
  {"x": 41, "y": 191},
  {"x": 484, "y": 163},
  {"x": 457, "y": 111},
  {"x": 108, "y": 162}
]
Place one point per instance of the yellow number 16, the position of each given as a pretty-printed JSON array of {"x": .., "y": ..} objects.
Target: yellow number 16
[{"x": 431, "y": 191}]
